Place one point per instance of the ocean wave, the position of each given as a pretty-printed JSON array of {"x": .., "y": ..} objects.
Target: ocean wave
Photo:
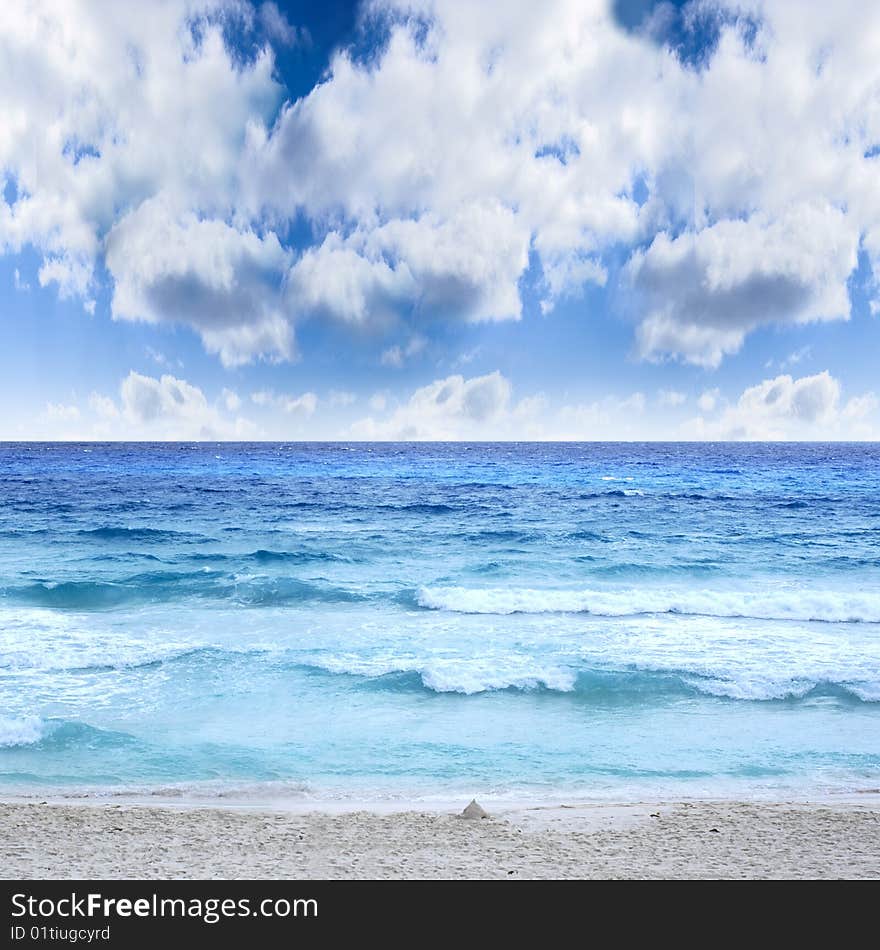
[
  {"x": 791, "y": 604},
  {"x": 146, "y": 658},
  {"x": 591, "y": 677},
  {"x": 263, "y": 556},
  {"x": 448, "y": 675},
  {"x": 154, "y": 535},
  {"x": 612, "y": 493},
  {"x": 268, "y": 556},
  {"x": 159, "y": 586},
  {"x": 55, "y": 734},
  {"x": 26, "y": 730},
  {"x": 605, "y": 686}
]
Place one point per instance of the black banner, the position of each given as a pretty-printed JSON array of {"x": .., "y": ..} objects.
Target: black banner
[{"x": 170, "y": 914}]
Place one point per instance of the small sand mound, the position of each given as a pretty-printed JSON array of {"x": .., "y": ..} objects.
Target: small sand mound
[{"x": 474, "y": 810}]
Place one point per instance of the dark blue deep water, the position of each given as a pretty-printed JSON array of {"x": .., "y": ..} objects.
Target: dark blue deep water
[{"x": 421, "y": 619}]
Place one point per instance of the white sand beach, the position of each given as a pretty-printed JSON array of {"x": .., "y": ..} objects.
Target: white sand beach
[{"x": 729, "y": 839}]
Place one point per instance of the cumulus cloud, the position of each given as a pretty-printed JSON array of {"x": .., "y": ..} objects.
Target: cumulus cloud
[
  {"x": 462, "y": 266},
  {"x": 122, "y": 134},
  {"x": 146, "y": 408},
  {"x": 220, "y": 280},
  {"x": 59, "y": 412},
  {"x": 484, "y": 408},
  {"x": 453, "y": 408},
  {"x": 164, "y": 407},
  {"x": 558, "y": 116},
  {"x": 789, "y": 408},
  {"x": 477, "y": 147},
  {"x": 103, "y": 406},
  {"x": 706, "y": 290}
]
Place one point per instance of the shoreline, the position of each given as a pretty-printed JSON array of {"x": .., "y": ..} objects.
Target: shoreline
[
  {"x": 441, "y": 804},
  {"x": 648, "y": 839}
]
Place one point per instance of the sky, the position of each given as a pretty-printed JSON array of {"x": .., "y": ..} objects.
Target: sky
[{"x": 435, "y": 219}]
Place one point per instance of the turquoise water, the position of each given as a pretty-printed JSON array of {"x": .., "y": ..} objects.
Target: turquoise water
[{"x": 405, "y": 620}]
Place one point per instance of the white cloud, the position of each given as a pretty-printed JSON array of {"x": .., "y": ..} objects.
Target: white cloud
[
  {"x": 279, "y": 28},
  {"x": 216, "y": 278},
  {"x": 449, "y": 409},
  {"x": 671, "y": 398},
  {"x": 613, "y": 417},
  {"x": 378, "y": 402},
  {"x": 103, "y": 406},
  {"x": 708, "y": 400},
  {"x": 304, "y": 404},
  {"x": 636, "y": 402},
  {"x": 145, "y": 398},
  {"x": 122, "y": 134},
  {"x": 707, "y": 290},
  {"x": 72, "y": 275},
  {"x": 340, "y": 397},
  {"x": 58, "y": 412},
  {"x": 397, "y": 355},
  {"x": 484, "y": 408},
  {"x": 160, "y": 359},
  {"x": 166, "y": 408},
  {"x": 19, "y": 282},
  {"x": 465, "y": 265},
  {"x": 554, "y": 116},
  {"x": 231, "y": 400},
  {"x": 147, "y": 408},
  {"x": 810, "y": 407},
  {"x": 478, "y": 140},
  {"x": 800, "y": 354},
  {"x": 859, "y": 407}
]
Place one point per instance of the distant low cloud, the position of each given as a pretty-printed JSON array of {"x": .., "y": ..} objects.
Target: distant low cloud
[
  {"x": 58, "y": 412},
  {"x": 304, "y": 404},
  {"x": 231, "y": 400},
  {"x": 484, "y": 407},
  {"x": 671, "y": 398},
  {"x": 809, "y": 407},
  {"x": 708, "y": 399},
  {"x": 161, "y": 408},
  {"x": 451, "y": 408}
]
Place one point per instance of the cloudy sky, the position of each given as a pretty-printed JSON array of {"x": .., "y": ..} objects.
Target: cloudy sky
[{"x": 576, "y": 219}]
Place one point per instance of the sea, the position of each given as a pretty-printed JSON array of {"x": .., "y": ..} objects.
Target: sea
[{"x": 416, "y": 622}]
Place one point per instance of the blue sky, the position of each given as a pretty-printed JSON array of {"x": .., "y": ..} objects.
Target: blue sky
[{"x": 440, "y": 220}]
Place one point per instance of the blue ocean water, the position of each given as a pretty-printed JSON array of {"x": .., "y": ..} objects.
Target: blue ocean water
[{"x": 377, "y": 620}]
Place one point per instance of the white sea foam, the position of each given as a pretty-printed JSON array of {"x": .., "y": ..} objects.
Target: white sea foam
[
  {"x": 467, "y": 675},
  {"x": 491, "y": 672},
  {"x": 21, "y": 731},
  {"x": 782, "y": 604}
]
